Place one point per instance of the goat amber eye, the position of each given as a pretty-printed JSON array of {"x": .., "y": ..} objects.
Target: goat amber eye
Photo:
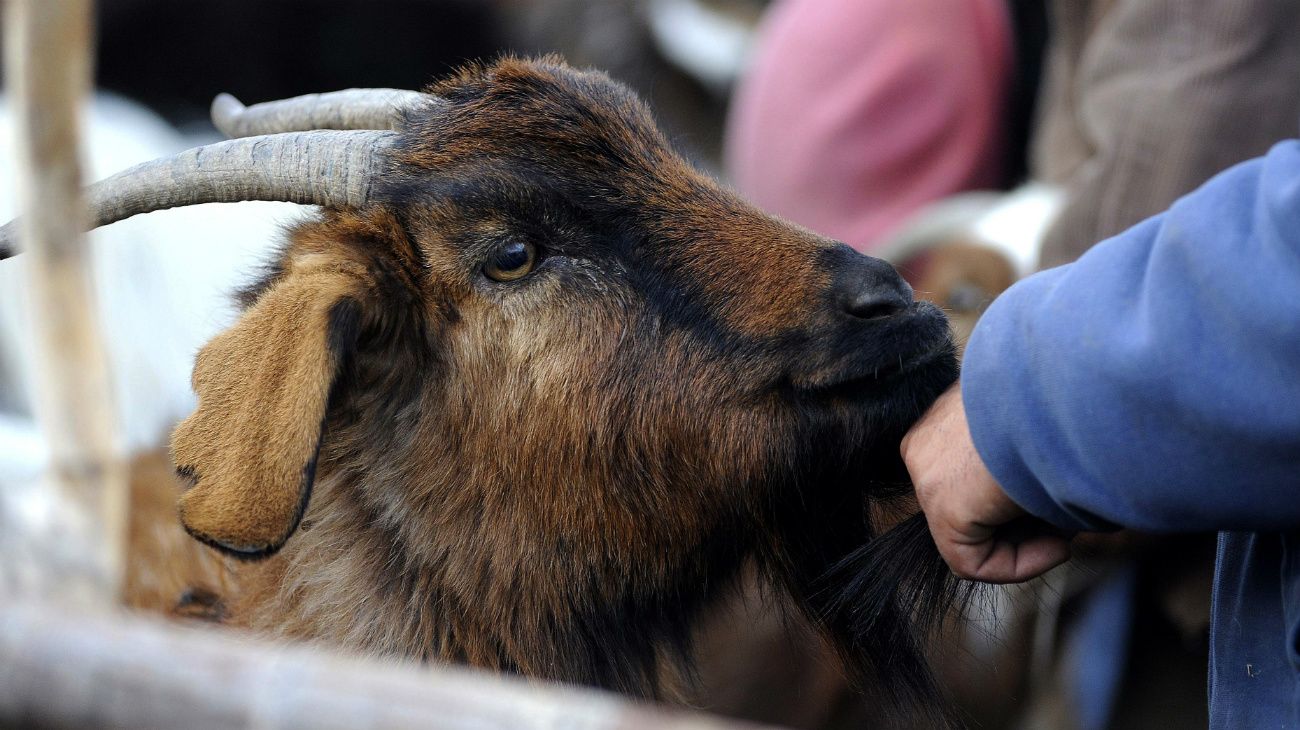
[{"x": 511, "y": 261}]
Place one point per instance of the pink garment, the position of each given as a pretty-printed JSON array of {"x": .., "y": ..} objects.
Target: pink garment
[{"x": 855, "y": 113}]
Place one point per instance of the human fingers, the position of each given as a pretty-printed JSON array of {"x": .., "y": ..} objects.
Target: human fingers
[{"x": 1001, "y": 559}]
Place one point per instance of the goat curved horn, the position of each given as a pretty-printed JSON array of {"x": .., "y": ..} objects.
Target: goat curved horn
[
  {"x": 328, "y": 168},
  {"x": 349, "y": 109}
]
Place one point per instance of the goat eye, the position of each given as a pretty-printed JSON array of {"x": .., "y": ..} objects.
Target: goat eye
[{"x": 511, "y": 261}]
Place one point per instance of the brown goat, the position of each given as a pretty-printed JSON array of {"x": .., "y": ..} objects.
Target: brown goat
[{"x": 534, "y": 403}]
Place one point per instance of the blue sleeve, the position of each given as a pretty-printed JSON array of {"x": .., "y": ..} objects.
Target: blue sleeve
[{"x": 1155, "y": 382}]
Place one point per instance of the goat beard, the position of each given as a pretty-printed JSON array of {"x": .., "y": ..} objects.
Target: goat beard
[{"x": 867, "y": 572}]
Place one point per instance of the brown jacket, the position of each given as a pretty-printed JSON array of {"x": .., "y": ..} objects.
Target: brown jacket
[{"x": 1144, "y": 100}]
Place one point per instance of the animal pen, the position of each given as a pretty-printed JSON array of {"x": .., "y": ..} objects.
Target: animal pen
[{"x": 69, "y": 658}]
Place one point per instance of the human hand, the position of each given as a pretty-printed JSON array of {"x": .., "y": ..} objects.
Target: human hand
[{"x": 979, "y": 531}]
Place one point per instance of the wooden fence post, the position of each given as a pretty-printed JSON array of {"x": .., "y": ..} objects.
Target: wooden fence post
[{"x": 72, "y": 551}]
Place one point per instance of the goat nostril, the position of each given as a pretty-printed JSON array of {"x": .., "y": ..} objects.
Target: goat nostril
[{"x": 875, "y": 306}]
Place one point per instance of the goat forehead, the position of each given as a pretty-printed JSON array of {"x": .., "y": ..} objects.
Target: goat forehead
[
  {"x": 552, "y": 115},
  {"x": 521, "y": 135}
]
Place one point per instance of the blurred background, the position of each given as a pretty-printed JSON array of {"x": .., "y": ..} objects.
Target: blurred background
[
  {"x": 952, "y": 137},
  {"x": 170, "y": 56}
]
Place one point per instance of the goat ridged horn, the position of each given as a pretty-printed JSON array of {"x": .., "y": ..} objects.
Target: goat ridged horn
[
  {"x": 348, "y": 109},
  {"x": 328, "y": 168}
]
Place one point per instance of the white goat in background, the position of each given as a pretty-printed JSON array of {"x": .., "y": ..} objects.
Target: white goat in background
[{"x": 163, "y": 284}]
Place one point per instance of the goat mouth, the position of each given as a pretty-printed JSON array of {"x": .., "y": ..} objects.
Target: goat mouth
[
  {"x": 907, "y": 357},
  {"x": 883, "y": 374}
]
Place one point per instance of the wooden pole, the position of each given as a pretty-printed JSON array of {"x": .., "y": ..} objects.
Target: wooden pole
[
  {"x": 70, "y": 548},
  {"x": 62, "y": 670}
]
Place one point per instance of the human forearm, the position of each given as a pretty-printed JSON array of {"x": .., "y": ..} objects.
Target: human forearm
[{"x": 1156, "y": 382}]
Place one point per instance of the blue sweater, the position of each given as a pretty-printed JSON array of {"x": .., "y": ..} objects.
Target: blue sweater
[{"x": 1155, "y": 384}]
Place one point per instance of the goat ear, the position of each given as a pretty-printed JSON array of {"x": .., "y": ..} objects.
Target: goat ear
[{"x": 264, "y": 386}]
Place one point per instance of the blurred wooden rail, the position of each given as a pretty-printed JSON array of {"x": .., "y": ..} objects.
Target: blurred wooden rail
[
  {"x": 66, "y": 670},
  {"x": 68, "y": 657}
]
